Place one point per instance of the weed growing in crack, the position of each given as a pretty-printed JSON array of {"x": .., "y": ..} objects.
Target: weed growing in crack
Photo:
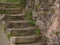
[
  {"x": 30, "y": 18},
  {"x": 37, "y": 31}
]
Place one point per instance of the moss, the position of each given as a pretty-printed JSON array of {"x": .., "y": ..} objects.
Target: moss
[
  {"x": 11, "y": 0},
  {"x": 23, "y": 34},
  {"x": 21, "y": 3},
  {"x": 37, "y": 5},
  {"x": 1, "y": 11}
]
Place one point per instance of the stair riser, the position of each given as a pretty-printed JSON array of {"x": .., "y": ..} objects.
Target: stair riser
[
  {"x": 8, "y": 5},
  {"x": 7, "y": 18},
  {"x": 26, "y": 40},
  {"x": 19, "y": 25},
  {"x": 10, "y": 10},
  {"x": 22, "y": 32},
  {"x": 38, "y": 43}
]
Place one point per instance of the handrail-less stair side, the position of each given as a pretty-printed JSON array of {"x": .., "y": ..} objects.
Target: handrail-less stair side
[{"x": 3, "y": 38}]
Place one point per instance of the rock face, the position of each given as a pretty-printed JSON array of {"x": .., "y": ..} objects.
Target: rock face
[
  {"x": 3, "y": 38},
  {"x": 53, "y": 32},
  {"x": 50, "y": 24}
]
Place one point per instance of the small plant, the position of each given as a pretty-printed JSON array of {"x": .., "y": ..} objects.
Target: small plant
[
  {"x": 8, "y": 35},
  {"x": 32, "y": 23},
  {"x": 2, "y": 0},
  {"x": 22, "y": 3},
  {"x": 29, "y": 14},
  {"x": 29, "y": 17},
  {"x": 1, "y": 11},
  {"x": 37, "y": 5},
  {"x": 23, "y": 34},
  {"x": 37, "y": 31}
]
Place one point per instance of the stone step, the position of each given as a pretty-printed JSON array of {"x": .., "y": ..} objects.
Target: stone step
[
  {"x": 8, "y": 4},
  {"x": 27, "y": 28},
  {"x": 17, "y": 24},
  {"x": 22, "y": 31},
  {"x": 10, "y": 10},
  {"x": 36, "y": 43},
  {"x": 18, "y": 21},
  {"x": 25, "y": 39},
  {"x": 14, "y": 15}
]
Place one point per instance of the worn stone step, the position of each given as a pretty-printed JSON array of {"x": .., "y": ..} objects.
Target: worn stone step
[
  {"x": 25, "y": 39},
  {"x": 27, "y": 28},
  {"x": 17, "y": 24},
  {"x": 22, "y": 31},
  {"x": 14, "y": 18},
  {"x": 8, "y": 4},
  {"x": 36, "y": 43},
  {"x": 18, "y": 21},
  {"x": 14, "y": 15},
  {"x": 10, "y": 10}
]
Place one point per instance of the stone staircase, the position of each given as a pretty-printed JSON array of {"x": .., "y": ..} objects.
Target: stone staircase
[{"x": 22, "y": 33}]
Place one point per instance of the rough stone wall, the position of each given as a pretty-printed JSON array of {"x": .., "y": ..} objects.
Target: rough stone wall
[
  {"x": 46, "y": 13},
  {"x": 3, "y": 38},
  {"x": 48, "y": 21},
  {"x": 53, "y": 32}
]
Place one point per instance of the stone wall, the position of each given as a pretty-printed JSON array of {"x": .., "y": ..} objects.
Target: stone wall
[{"x": 3, "y": 38}]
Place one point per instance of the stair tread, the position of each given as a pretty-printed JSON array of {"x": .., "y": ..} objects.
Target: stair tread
[
  {"x": 37, "y": 43},
  {"x": 26, "y": 28},
  {"x": 24, "y": 21},
  {"x": 8, "y": 3},
  {"x": 25, "y": 39},
  {"x": 15, "y": 14},
  {"x": 9, "y": 8},
  {"x": 30, "y": 36}
]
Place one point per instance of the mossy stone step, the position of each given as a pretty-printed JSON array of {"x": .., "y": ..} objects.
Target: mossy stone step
[
  {"x": 25, "y": 39},
  {"x": 18, "y": 21},
  {"x": 18, "y": 24},
  {"x": 10, "y": 10},
  {"x": 15, "y": 18},
  {"x": 9, "y": 4},
  {"x": 14, "y": 15},
  {"x": 36, "y": 43},
  {"x": 22, "y": 31}
]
